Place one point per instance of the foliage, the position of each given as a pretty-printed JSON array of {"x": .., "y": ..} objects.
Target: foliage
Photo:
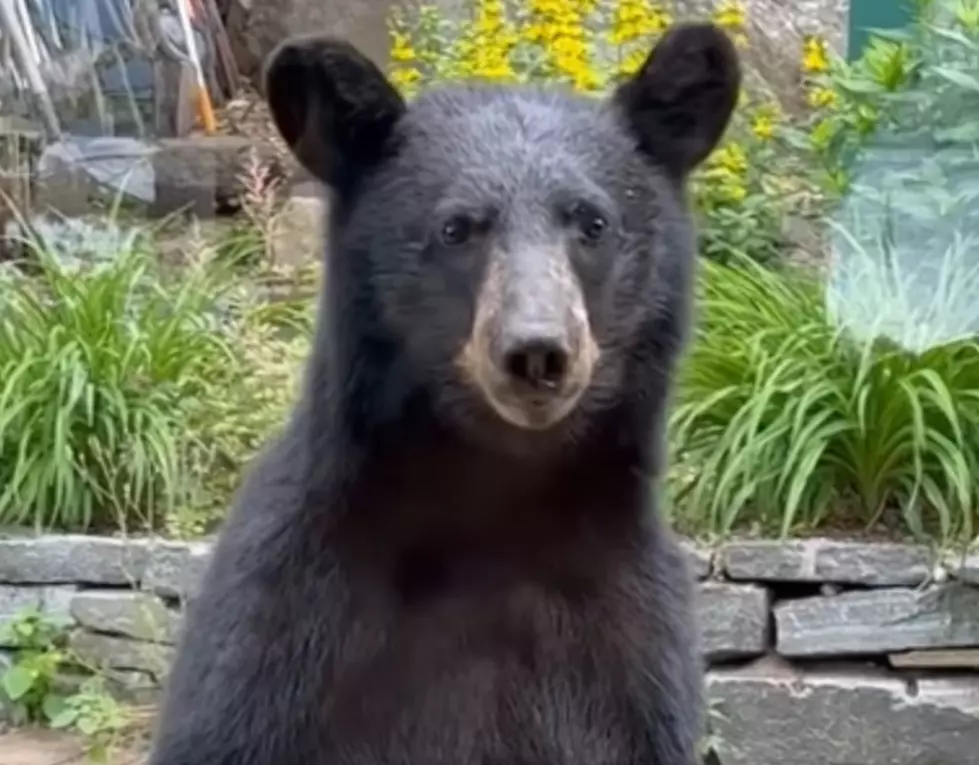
[
  {"x": 29, "y": 686},
  {"x": 131, "y": 393},
  {"x": 917, "y": 85},
  {"x": 788, "y": 421},
  {"x": 744, "y": 190},
  {"x": 96, "y": 363},
  {"x": 96, "y": 715}
]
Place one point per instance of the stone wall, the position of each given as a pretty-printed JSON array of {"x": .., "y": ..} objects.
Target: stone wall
[{"x": 818, "y": 652}]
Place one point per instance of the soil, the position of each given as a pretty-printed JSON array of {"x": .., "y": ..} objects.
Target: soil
[
  {"x": 47, "y": 747},
  {"x": 43, "y": 746}
]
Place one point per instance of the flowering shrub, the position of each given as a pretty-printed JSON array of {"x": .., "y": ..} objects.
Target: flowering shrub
[{"x": 742, "y": 192}]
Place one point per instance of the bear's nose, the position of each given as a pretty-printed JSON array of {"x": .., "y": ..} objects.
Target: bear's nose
[{"x": 538, "y": 362}]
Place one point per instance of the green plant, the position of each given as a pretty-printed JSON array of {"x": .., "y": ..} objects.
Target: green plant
[
  {"x": 788, "y": 421},
  {"x": 97, "y": 365},
  {"x": 33, "y": 686},
  {"x": 916, "y": 85},
  {"x": 95, "y": 714},
  {"x": 27, "y": 686}
]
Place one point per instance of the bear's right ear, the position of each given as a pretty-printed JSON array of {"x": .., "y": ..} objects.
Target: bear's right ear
[
  {"x": 679, "y": 102},
  {"x": 333, "y": 106}
]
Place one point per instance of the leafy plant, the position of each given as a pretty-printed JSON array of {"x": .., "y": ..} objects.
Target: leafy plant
[
  {"x": 915, "y": 86},
  {"x": 97, "y": 364},
  {"x": 95, "y": 714},
  {"x": 788, "y": 421},
  {"x": 27, "y": 686},
  {"x": 30, "y": 686}
]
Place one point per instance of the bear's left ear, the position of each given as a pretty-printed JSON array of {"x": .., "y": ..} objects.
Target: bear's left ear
[
  {"x": 680, "y": 101},
  {"x": 333, "y": 106}
]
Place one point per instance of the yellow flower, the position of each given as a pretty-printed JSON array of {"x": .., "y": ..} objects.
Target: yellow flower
[
  {"x": 401, "y": 48},
  {"x": 732, "y": 192},
  {"x": 632, "y": 62},
  {"x": 730, "y": 158},
  {"x": 822, "y": 98},
  {"x": 636, "y": 19},
  {"x": 764, "y": 122},
  {"x": 405, "y": 78},
  {"x": 731, "y": 16},
  {"x": 559, "y": 29},
  {"x": 814, "y": 55},
  {"x": 763, "y": 127}
]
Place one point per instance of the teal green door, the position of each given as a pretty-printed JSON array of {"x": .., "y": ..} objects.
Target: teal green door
[{"x": 866, "y": 15}]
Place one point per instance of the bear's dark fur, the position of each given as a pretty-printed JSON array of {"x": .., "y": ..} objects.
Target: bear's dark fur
[{"x": 452, "y": 555}]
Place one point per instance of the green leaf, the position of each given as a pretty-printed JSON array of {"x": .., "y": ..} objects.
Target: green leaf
[
  {"x": 89, "y": 726},
  {"x": 18, "y": 681},
  {"x": 57, "y": 711},
  {"x": 957, "y": 77}
]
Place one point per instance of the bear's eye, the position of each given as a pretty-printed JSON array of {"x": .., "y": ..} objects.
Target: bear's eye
[
  {"x": 456, "y": 230},
  {"x": 590, "y": 222}
]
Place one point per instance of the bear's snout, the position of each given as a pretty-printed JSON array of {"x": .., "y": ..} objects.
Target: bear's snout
[{"x": 531, "y": 352}]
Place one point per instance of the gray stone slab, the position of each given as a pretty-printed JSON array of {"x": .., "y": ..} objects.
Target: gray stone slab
[
  {"x": 72, "y": 558},
  {"x": 16, "y": 600},
  {"x": 118, "y": 653},
  {"x": 734, "y": 620},
  {"x": 299, "y": 235},
  {"x": 766, "y": 717},
  {"x": 700, "y": 557},
  {"x": 877, "y": 564},
  {"x": 965, "y": 568},
  {"x": 175, "y": 568},
  {"x": 137, "y": 615},
  {"x": 133, "y": 687},
  {"x": 879, "y": 621}
]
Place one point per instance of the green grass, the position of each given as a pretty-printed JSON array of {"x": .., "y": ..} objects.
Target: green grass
[
  {"x": 787, "y": 422},
  {"x": 97, "y": 365}
]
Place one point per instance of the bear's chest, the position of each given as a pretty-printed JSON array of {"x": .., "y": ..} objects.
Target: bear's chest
[{"x": 516, "y": 677}]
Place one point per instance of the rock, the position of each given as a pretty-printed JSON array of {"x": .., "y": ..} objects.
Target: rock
[
  {"x": 700, "y": 558},
  {"x": 299, "y": 230},
  {"x": 941, "y": 659},
  {"x": 64, "y": 188},
  {"x": 71, "y": 558},
  {"x": 198, "y": 174},
  {"x": 964, "y": 568},
  {"x": 15, "y": 600},
  {"x": 773, "y": 716},
  {"x": 51, "y": 601},
  {"x": 776, "y": 30},
  {"x": 132, "y": 687},
  {"x": 257, "y": 29},
  {"x": 733, "y": 620},
  {"x": 138, "y": 615},
  {"x": 879, "y": 621},
  {"x": 108, "y": 652},
  {"x": 825, "y": 560},
  {"x": 175, "y": 568}
]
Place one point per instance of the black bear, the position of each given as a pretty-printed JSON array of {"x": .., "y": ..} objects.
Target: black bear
[{"x": 452, "y": 555}]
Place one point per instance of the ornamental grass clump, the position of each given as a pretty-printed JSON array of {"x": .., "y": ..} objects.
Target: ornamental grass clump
[
  {"x": 97, "y": 365},
  {"x": 788, "y": 422}
]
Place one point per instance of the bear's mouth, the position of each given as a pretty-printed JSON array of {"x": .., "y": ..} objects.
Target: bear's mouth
[{"x": 533, "y": 411}]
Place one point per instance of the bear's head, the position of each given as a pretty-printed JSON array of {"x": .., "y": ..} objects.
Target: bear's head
[{"x": 518, "y": 260}]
